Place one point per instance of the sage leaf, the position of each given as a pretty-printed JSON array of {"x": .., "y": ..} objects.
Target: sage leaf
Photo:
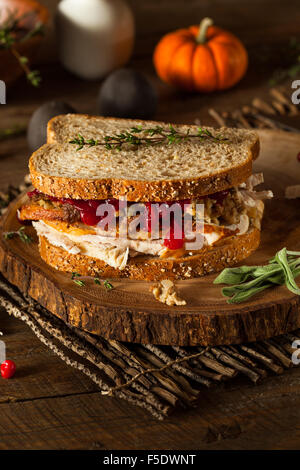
[
  {"x": 245, "y": 295},
  {"x": 234, "y": 275},
  {"x": 246, "y": 281},
  {"x": 290, "y": 282}
]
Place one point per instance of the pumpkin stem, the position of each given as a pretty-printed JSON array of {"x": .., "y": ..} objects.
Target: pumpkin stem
[{"x": 201, "y": 36}]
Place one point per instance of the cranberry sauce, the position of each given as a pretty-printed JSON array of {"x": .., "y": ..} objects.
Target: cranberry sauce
[{"x": 88, "y": 213}]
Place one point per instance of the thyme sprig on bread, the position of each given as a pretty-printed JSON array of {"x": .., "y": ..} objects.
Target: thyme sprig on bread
[
  {"x": 138, "y": 135},
  {"x": 247, "y": 281}
]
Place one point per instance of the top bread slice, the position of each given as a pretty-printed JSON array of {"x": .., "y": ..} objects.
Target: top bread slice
[{"x": 163, "y": 172}]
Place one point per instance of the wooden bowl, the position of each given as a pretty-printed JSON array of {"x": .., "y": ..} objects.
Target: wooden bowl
[{"x": 10, "y": 69}]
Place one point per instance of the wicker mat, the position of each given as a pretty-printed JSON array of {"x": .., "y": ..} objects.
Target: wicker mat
[{"x": 160, "y": 379}]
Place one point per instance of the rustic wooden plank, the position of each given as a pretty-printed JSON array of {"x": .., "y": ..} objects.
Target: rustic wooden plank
[
  {"x": 238, "y": 416},
  {"x": 39, "y": 372}
]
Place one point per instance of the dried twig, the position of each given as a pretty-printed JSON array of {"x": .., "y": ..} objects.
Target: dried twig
[
  {"x": 153, "y": 371},
  {"x": 214, "y": 114},
  {"x": 263, "y": 106},
  {"x": 280, "y": 96}
]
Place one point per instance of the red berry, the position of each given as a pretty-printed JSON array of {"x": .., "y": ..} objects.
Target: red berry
[
  {"x": 89, "y": 217},
  {"x": 8, "y": 369},
  {"x": 298, "y": 157},
  {"x": 173, "y": 243}
]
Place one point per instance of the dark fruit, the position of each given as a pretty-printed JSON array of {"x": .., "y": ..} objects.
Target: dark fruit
[
  {"x": 37, "y": 128},
  {"x": 127, "y": 94}
]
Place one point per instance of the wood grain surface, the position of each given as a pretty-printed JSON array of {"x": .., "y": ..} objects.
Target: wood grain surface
[
  {"x": 51, "y": 406},
  {"x": 129, "y": 312}
]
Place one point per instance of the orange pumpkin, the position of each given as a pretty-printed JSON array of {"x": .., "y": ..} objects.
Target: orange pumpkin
[{"x": 201, "y": 58}]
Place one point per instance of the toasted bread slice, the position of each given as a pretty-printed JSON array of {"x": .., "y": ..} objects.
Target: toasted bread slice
[
  {"x": 149, "y": 268},
  {"x": 147, "y": 173}
]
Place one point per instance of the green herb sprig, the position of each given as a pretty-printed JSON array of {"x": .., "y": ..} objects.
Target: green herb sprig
[
  {"x": 108, "y": 285},
  {"x": 78, "y": 280},
  {"x": 20, "y": 233},
  {"x": 247, "y": 281},
  {"x": 152, "y": 136},
  {"x": 12, "y": 33}
]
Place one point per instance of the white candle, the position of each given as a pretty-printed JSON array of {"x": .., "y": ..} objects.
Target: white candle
[{"x": 94, "y": 36}]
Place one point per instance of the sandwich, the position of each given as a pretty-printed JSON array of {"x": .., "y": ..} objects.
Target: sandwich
[{"x": 93, "y": 167}]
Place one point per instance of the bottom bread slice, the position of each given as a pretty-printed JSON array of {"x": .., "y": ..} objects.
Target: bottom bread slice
[{"x": 150, "y": 268}]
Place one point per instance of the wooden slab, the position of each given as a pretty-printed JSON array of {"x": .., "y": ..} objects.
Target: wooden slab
[{"x": 130, "y": 313}]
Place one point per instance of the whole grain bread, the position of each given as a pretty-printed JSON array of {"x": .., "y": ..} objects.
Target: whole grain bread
[
  {"x": 149, "y": 268},
  {"x": 147, "y": 173}
]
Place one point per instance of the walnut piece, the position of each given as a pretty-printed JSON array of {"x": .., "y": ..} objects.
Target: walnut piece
[{"x": 165, "y": 292}]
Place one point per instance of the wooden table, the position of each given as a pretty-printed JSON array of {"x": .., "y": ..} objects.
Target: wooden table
[{"x": 48, "y": 405}]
